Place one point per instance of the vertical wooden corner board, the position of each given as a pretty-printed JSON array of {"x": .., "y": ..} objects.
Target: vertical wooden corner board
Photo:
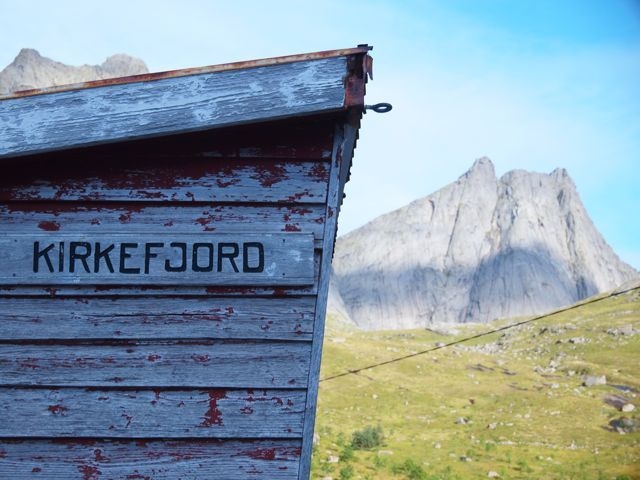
[{"x": 162, "y": 299}]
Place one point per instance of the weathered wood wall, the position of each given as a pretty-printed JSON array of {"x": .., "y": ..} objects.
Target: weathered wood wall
[{"x": 151, "y": 381}]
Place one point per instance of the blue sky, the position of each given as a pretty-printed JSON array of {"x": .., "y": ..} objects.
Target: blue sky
[{"x": 532, "y": 84}]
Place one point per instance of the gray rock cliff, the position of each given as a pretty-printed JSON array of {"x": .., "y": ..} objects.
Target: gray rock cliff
[
  {"x": 479, "y": 249},
  {"x": 31, "y": 70}
]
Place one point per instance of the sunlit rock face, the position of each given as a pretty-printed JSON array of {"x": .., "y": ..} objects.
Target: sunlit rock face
[{"x": 479, "y": 249}]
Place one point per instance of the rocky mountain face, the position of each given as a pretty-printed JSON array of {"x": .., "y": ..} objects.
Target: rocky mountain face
[
  {"x": 31, "y": 70},
  {"x": 479, "y": 249}
]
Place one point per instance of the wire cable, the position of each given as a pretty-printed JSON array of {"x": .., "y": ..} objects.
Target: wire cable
[{"x": 479, "y": 335}]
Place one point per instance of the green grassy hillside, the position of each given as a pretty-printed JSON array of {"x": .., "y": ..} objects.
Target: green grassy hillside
[{"x": 510, "y": 405}]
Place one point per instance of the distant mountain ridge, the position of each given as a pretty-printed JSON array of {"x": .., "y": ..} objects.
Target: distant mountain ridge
[
  {"x": 479, "y": 249},
  {"x": 31, "y": 70}
]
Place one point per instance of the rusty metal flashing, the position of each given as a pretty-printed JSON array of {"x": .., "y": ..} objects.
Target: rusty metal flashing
[{"x": 360, "y": 70}]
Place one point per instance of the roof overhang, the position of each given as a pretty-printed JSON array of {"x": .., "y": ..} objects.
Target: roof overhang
[{"x": 182, "y": 101}]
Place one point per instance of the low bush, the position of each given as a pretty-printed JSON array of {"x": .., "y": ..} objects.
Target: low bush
[{"x": 367, "y": 438}]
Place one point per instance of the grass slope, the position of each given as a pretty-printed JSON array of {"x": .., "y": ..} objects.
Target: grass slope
[{"x": 510, "y": 405}]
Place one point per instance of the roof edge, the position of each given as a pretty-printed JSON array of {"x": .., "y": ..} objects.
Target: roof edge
[{"x": 148, "y": 77}]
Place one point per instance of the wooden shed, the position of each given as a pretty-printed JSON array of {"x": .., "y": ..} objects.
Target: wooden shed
[{"x": 165, "y": 249}]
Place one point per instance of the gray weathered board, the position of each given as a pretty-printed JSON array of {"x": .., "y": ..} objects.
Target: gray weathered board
[
  {"x": 191, "y": 349},
  {"x": 160, "y": 259}
]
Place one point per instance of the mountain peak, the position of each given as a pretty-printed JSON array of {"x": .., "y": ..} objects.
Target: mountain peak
[
  {"x": 483, "y": 168},
  {"x": 26, "y": 55},
  {"x": 476, "y": 250},
  {"x": 30, "y": 70}
]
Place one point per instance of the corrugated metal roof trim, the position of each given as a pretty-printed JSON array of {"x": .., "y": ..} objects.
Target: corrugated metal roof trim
[{"x": 148, "y": 77}]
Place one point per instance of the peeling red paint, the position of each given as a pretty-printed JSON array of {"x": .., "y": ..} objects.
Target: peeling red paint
[
  {"x": 213, "y": 416},
  {"x": 89, "y": 472},
  {"x": 319, "y": 172},
  {"x": 31, "y": 363},
  {"x": 201, "y": 358},
  {"x": 153, "y": 358},
  {"x": 125, "y": 217},
  {"x": 137, "y": 476},
  {"x": 97, "y": 454},
  {"x": 300, "y": 211},
  {"x": 268, "y": 174},
  {"x": 58, "y": 410},
  {"x": 262, "y": 453},
  {"x": 292, "y": 228},
  {"x": 229, "y": 183},
  {"x": 49, "y": 226},
  {"x": 246, "y": 410},
  {"x": 150, "y": 195}
]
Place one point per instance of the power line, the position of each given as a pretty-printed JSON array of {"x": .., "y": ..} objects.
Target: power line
[{"x": 479, "y": 335}]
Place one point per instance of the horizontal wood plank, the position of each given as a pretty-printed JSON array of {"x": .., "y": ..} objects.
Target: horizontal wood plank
[
  {"x": 170, "y": 106},
  {"x": 157, "y": 318},
  {"x": 224, "y": 364},
  {"x": 185, "y": 180},
  {"x": 155, "y": 291},
  {"x": 23, "y": 218},
  {"x": 211, "y": 413},
  {"x": 157, "y": 259},
  {"x": 87, "y": 459}
]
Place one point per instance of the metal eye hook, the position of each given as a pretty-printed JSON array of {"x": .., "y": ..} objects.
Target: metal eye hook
[{"x": 379, "y": 107}]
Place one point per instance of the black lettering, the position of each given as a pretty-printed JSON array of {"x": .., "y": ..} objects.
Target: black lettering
[
  {"x": 123, "y": 257},
  {"x": 61, "y": 257},
  {"x": 246, "y": 268},
  {"x": 235, "y": 251},
  {"x": 194, "y": 260},
  {"x": 37, "y": 254},
  {"x": 148, "y": 254},
  {"x": 102, "y": 255},
  {"x": 74, "y": 255},
  {"x": 183, "y": 266}
]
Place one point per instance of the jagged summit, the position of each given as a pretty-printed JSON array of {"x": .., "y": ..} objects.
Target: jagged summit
[
  {"x": 478, "y": 249},
  {"x": 31, "y": 70}
]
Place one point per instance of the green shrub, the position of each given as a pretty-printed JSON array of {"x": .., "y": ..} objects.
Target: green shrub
[
  {"x": 346, "y": 472},
  {"x": 347, "y": 454},
  {"x": 367, "y": 438},
  {"x": 411, "y": 469}
]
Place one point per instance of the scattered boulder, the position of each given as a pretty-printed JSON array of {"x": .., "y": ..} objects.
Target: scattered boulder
[
  {"x": 624, "y": 425},
  {"x": 619, "y": 402},
  {"x": 593, "y": 380},
  {"x": 625, "y": 330}
]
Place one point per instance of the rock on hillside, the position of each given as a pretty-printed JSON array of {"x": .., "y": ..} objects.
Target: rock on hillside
[
  {"x": 31, "y": 70},
  {"x": 479, "y": 249}
]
